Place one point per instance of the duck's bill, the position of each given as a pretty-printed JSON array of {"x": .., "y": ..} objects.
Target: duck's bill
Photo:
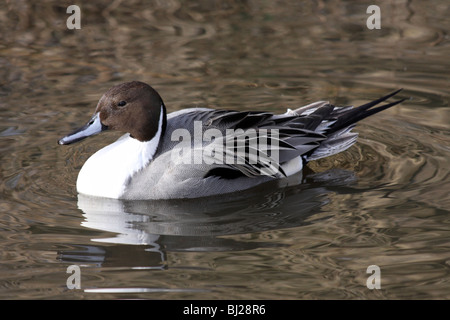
[{"x": 93, "y": 127}]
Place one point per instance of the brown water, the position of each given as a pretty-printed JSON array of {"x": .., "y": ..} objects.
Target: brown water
[{"x": 383, "y": 202}]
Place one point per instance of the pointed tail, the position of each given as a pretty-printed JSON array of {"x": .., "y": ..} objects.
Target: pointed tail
[
  {"x": 351, "y": 116},
  {"x": 339, "y": 135}
]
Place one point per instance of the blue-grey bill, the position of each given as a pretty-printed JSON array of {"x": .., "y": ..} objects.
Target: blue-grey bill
[{"x": 93, "y": 127}]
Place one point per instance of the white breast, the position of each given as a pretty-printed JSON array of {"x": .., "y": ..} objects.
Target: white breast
[{"x": 107, "y": 172}]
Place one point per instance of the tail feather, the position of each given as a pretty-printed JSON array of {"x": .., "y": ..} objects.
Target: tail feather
[
  {"x": 351, "y": 116},
  {"x": 337, "y": 143},
  {"x": 338, "y": 131}
]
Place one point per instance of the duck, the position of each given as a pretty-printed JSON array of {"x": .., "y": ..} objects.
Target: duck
[{"x": 201, "y": 152}]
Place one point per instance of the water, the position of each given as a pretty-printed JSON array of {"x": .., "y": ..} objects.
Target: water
[{"x": 383, "y": 202}]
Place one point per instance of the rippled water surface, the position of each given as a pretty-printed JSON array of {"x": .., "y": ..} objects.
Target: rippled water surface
[{"x": 383, "y": 202}]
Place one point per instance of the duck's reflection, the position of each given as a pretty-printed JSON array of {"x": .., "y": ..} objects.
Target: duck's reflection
[{"x": 142, "y": 232}]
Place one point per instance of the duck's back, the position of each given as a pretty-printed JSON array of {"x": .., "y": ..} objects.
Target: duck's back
[{"x": 179, "y": 169}]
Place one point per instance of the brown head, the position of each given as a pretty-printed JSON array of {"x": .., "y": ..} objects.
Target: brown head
[{"x": 132, "y": 107}]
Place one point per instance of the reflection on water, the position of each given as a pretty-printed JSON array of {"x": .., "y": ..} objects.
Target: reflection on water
[
  {"x": 196, "y": 225},
  {"x": 384, "y": 201}
]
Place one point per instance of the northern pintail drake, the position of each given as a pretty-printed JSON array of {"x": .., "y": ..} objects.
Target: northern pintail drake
[{"x": 200, "y": 152}]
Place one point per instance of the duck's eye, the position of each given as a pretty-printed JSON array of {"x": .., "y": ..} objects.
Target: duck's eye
[{"x": 122, "y": 103}]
